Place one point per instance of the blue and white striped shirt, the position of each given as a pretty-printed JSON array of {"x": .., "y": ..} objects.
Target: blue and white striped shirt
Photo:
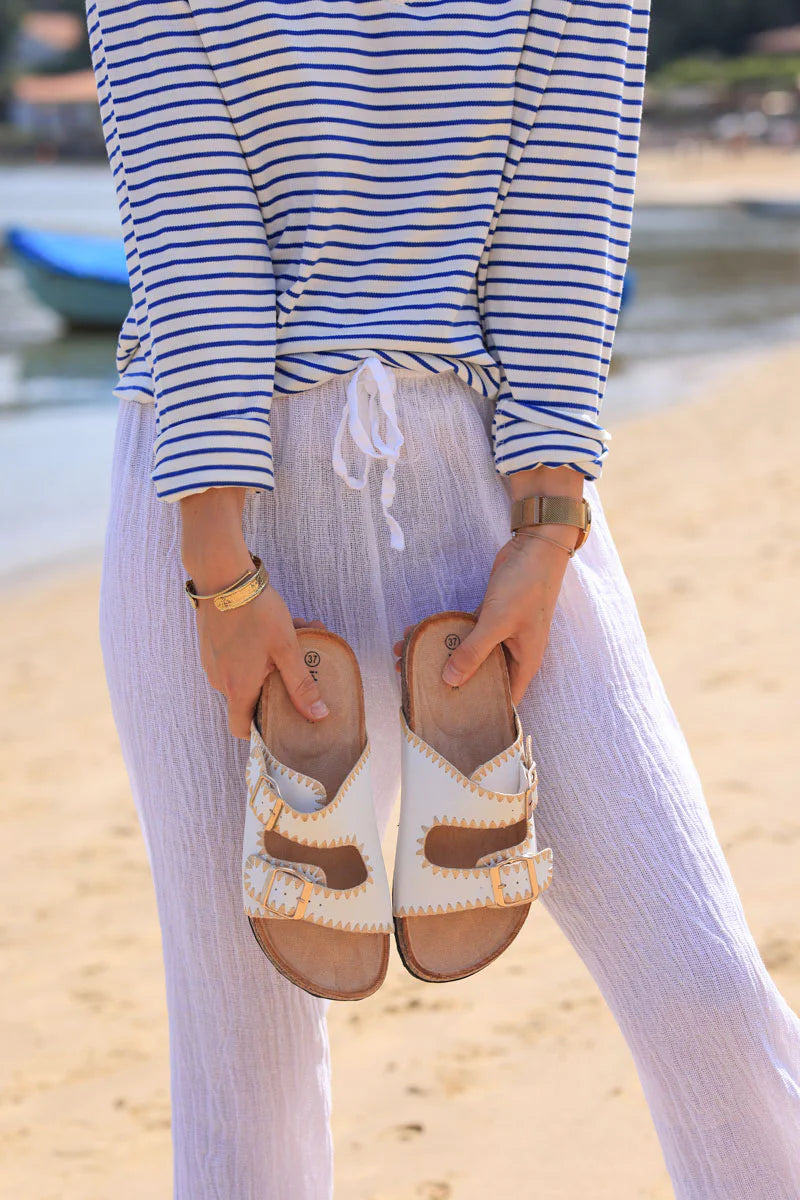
[{"x": 445, "y": 184}]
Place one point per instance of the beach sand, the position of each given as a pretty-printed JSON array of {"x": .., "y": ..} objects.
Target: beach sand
[
  {"x": 517, "y": 1076},
  {"x": 695, "y": 173}
]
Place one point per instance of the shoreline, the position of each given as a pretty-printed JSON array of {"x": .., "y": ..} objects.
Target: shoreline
[
  {"x": 667, "y": 384},
  {"x": 693, "y": 173},
  {"x": 688, "y": 171},
  {"x": 433, "y": 1087}
]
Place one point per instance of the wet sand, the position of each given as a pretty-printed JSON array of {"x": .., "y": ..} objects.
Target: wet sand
[{"x": 518, "y": 1074}]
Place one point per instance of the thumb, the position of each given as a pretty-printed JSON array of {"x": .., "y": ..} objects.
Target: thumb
[
  {"x": 303, "y": 691},
  {"x": 474, "y": 650}
]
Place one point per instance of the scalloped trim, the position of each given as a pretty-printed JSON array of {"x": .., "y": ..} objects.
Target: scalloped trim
[
  {"x": 285, "y": 772},
  {"x": 320, "y": 844},
  {"x": 453, "y": 772},
  {"x": 332, "y": 895},
  {"x": 259, "y": 747},
  {"x": 320, "y": 813},
  {"x": 432, "y": 910},
  {"x": 516, "y": 747}
]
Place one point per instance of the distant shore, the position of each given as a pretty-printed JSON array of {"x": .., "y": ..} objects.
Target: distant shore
[
  {"x": 690, "y": 172},
  {"x": 694, "y": 173}
]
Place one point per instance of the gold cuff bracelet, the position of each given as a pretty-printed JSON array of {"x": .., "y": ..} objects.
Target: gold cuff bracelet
[{"x": 241, "y": 591}]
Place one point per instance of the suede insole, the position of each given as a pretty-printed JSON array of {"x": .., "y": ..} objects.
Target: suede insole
[
  {"x": 467, "y": 725},
  {"x": 329, "y": 962}
]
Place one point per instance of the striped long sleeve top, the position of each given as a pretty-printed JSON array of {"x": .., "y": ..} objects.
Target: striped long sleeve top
[{"x": 446, "y": 184}]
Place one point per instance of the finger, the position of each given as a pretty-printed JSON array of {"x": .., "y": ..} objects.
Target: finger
[
  {"x": 398, "y": 646},
  {"x": 520, "y": 674},
  {"x": 303, "y": 691},
  {"x": 475, "y": 649},
  {"x": 240, "y": 713}
]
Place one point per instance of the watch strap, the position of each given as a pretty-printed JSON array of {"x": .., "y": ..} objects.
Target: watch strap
[{"x": 552, "y": 510}]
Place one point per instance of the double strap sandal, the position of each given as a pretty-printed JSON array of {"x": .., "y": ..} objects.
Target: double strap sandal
[
  {"x": 314, "y": 883},
  {"x": 467, "y": 868}
]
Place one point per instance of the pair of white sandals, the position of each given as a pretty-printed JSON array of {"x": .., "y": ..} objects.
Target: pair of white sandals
[{"x": 467, "y": 868}]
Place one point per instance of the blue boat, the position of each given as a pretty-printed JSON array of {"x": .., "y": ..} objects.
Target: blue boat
[{"x": 84, "y": 277}]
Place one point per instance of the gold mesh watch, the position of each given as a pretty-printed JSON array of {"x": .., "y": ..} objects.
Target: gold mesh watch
[{"x": 553, "y": 510}]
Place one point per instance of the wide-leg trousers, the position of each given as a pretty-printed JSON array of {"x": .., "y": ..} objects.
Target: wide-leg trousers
[{"x": 641, "y": 887}]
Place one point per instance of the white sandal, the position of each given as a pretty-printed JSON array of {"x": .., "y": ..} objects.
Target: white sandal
[
  {"x": 467, "y": 868},
  {"x": 314, "y": 882}
]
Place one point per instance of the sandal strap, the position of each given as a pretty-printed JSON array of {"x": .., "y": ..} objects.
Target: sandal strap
[
  {"x": 335, "y": 823},
  {"x": 520, "y": 879},
  {"x": 276, "y": 887},
  {"x": 436, "y": 793},
  {"x": 449, "y": 797}
]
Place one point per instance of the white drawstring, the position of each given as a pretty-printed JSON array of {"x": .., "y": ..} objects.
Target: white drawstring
[{"x": 370, "y": 393}]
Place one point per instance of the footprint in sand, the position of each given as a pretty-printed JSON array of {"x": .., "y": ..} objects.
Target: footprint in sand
[
  {"x": 780, "y": 954},
  {"x": 408, "y": 1132}
]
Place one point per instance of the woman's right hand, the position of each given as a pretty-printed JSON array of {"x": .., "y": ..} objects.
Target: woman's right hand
[{"x": 239, "y": 649}]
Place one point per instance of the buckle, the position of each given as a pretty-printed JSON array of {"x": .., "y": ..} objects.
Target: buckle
[
  {"x": 302, "y": 900},
  {"x": 264, "y": 782},
  {"x": 498, "y": 884},
  {"x": 272, "y": 819}
]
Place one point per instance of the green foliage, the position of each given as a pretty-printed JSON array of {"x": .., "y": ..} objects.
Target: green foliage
[{"x": 748, "y": 70}]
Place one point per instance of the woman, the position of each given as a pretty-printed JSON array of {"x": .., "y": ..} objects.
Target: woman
[{"x": 446, "y": 187}]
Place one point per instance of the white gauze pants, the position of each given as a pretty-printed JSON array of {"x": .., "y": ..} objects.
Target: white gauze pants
[{"x": 641, "y": 888}]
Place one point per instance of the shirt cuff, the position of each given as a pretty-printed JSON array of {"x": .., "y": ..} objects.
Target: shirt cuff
[
  {"x": 520, "y": 445},
  {"x": 209, "y": 455}
]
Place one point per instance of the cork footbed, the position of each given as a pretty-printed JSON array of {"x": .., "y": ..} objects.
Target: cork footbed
[
  {"x": 468, "y": 726},
  {"x": 334, "y": 963}
]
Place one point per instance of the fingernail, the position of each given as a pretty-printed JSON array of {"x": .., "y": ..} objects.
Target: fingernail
[
  {"x": 319, "y": 709},
  {"x": 451, "y": 675}
]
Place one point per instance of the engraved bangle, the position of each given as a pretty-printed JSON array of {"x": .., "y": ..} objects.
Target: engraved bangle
[{"x": 244, "y": 589}]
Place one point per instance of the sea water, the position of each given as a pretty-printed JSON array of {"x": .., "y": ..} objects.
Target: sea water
[{"x": 712, "y": 284}]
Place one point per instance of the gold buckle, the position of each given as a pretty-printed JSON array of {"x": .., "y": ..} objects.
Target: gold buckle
[
  {"x": 497, "y": 882},
  {"x": 264, "y": 782},
  {"x": 303, "y": 899},
  {"x": 272, "y": 819}
]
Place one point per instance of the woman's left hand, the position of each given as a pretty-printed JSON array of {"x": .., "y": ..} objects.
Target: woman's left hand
[{"x": 516, "y": 610}]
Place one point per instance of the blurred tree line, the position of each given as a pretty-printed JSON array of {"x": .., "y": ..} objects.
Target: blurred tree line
[
  {"x": 692, "y": 27},
  {"x": 679, "y": 27}
]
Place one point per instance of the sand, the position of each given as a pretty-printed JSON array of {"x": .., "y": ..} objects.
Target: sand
[
  {"x": 694, "y": 173},
  {"x": 518, "y": 1074}
]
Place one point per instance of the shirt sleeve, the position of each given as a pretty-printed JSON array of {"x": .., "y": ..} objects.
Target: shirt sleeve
[
  {"x": 198, "y": 258},
  {"x": 552, "y": 280}
]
